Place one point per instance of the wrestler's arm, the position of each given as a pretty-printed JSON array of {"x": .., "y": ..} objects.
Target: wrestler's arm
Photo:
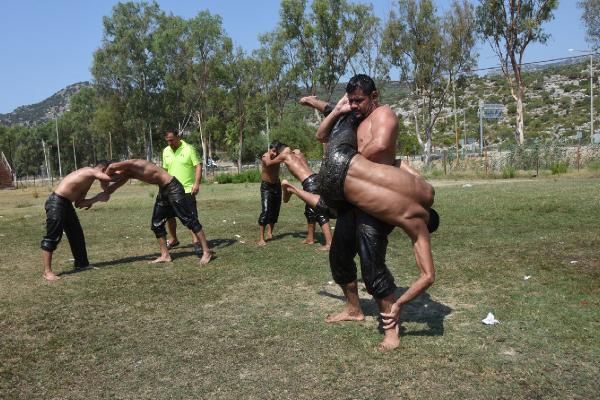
[
  {"x": 324, "y": 129},
  {"x": 424, "y": 259},
  {"x": 384, "y": 130},
  {"x": 314, "y": 102},
  {"x": 118, "y": 166},
  {"x": 277, "y": 160},
  {"x": 118, "y": 180},
  {"x": 82, "y": 202}
]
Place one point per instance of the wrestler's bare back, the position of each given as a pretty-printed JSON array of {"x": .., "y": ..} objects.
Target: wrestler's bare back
[
  {"x": 141, "y": 170},
  {"x": 76, "y": 185}
]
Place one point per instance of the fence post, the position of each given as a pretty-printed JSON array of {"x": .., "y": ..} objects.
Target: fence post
[
  {"x": 444, "y": 160},
  {"x": 578, "y": 155}
]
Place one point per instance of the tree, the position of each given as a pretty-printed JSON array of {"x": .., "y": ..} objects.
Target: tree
[
  {"x": 371, "y": 59},
  {"x": 591, "y": 19},
  {"x": 127, "y": 65},
  {"x": 325, "y": 39},
  {"x": 244, "y": 97},
  {"x": 510, "y": 26},
  {"x": 432, "y": 51}
]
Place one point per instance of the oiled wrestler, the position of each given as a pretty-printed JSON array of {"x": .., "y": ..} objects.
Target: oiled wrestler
[{"x": 170, "y": 201}]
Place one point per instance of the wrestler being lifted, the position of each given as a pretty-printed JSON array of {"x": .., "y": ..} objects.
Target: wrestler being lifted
[
  {"x": 170, "y": 202},
  {"x": 384, "y": 194},
  {"x": 298, "y": 166}
]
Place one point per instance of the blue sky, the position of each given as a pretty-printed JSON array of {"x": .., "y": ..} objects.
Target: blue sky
[{"x": 47, "y": 45}]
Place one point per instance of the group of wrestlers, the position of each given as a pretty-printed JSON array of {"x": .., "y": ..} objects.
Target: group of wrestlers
[{"x": 359, "y": 183}]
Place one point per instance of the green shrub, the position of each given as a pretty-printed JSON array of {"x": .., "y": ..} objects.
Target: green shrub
[
  {"x": 559, "y": 168},
  {"x": 251, "y": 176},
  {"x": 593, "y": 166},
  {"x": 509, "y": 172}
]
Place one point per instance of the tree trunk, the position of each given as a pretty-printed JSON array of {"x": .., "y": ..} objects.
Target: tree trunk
[
  {"x": 519, "y": 132},
  {"x": 240, "y": 142},
  {"x": 203, "y": 141},
  {"x": 428, "y": 145}
]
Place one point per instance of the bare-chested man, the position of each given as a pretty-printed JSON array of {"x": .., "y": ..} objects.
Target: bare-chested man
[
  {"x": 370, "y": 128},
  {"x": 298, "y": 166},
  {"x": 270, "y": 195},
  {"x": 170, "y": 201},
  {"x": 61, "y": 216}
]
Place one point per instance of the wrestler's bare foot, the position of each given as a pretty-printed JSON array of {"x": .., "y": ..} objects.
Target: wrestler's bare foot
[
  {"x": 286, "y": 194},
  {"x": 323, "y": 248},
  {"x": 308, "y": 100},
  {"x": 261, "y": 243},
  {"x": 308, "y": 241},
  {"x": 206, "y": 257},
  {"x": 345, "y": 316},
  {"x": 161, "y": 259},
  {"x": 391, "y": 339},
  {"x": 50, "y": 277}
]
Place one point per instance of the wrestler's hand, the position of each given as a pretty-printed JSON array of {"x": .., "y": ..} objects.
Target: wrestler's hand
[
  {"x": 195, "y": 189},
  {"x": 391, "y": 319},
  {"x": 85, "y": 204},
  {"x": 104, "y": 197},
  {"x": 343, "y": 106}
]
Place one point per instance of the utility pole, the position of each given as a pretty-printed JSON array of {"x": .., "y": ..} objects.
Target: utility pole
[
  {"x": 74, "y": 155},
  {"x": 58, "y": 148},
  {"x": 591, "y": 98},
  {"x": 46, "y": 160},
  {"x": 481, "y": 128},
  {"x": 455, "y": 121},
  {"x": 267, "y": 114}
]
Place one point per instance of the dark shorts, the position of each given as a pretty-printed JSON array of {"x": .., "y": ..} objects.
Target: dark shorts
[
  {"x": 333, "y": 173},
  {"x": 61, "y": 216},
  {"x": 358, "y": 233},
  {"x": 172, "y": 201},
  {"x": 270, "y": 202},
  {"x": 311, "y": 185}
]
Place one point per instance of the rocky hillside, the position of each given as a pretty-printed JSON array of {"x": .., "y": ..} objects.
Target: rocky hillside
[{"x": 45, "y": 110}]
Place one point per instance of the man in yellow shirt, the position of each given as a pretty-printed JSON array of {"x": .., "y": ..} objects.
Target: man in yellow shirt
[{"x": 181, "y": 161}]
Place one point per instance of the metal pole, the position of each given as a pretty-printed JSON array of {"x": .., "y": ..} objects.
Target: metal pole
[
  {"x": 591, "y": 98},
  {"x": 481, "y": 128},
  {"x": 58, "y": 149},
  {"x": 74, "y": 155},
  {"x": 46, "y": 160},
  {"x": 267, "y": 114}
]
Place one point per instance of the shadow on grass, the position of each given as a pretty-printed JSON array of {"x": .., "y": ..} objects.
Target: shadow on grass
[
  {"x": 421, "y": 310},
  {"x": 213, "y": 244},
  {"x": 297, "y": 234}
]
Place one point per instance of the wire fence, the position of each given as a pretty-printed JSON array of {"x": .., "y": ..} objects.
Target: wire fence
[{"x": 494, "y": 159}]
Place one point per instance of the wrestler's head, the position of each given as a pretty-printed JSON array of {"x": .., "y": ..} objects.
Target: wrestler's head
[
  {"x": 172, "y": 139},
  {"x": 362, "y": 95},
  {"x": 277, "y": 146},
  {"x": 102, "y": 165}
]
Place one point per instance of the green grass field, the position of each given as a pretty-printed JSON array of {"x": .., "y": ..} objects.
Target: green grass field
[{"x": 250, "y": 324}]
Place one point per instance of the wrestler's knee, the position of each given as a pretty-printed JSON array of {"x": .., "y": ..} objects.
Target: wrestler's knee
[
  {"x": 381, "y": 285},
  {"x": 49, "y": 245},
  {"x": 322, "y": 219}
]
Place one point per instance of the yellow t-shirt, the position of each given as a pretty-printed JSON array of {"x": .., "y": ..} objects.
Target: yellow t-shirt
[{"x": 181, "y": 164}]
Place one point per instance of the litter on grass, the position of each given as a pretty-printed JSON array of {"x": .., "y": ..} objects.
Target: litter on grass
[{"x": 490, "y": 320}]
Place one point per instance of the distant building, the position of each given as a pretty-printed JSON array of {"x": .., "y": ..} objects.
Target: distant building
[
  {"x": 596, "y": 138},
  {"x": 6, "y": 175}
]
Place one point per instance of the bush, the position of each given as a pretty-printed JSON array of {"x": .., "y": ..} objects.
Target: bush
[
  {"x": 251, "y": 176},
  {"x": 509, "y": 172},
  {"x": 593, "y": 166},
  {"x": 559, "y": 168}
]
